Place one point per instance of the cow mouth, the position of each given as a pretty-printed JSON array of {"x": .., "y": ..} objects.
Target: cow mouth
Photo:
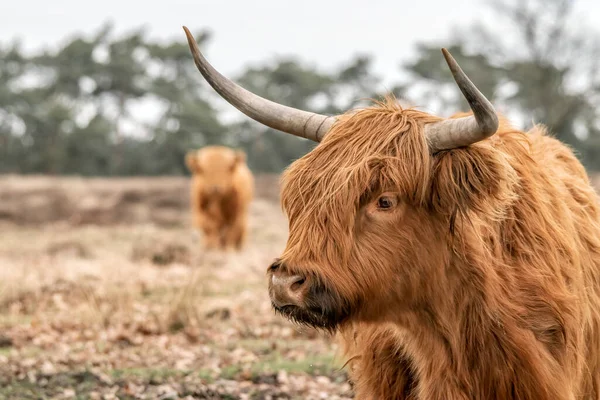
[
  {"x": 310, "y": 317},
  {"x": 321, "y": 310}
]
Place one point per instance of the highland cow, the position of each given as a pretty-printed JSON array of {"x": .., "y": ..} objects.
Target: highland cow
[
  {"x": 221, "y": 190},
  {"x": 456, "y": 258}
]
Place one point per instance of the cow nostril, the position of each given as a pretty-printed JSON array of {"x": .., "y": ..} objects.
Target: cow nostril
[
  {"x": 297, "y": 284},
  {"x": 286, "y": 289}
]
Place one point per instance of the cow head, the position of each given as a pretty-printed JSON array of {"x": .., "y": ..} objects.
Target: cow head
[
  {"x": 369, "y": 208},
  {"x": 214, "y": 166}
]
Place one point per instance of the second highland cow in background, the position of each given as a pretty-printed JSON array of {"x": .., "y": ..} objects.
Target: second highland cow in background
[{"x": 221, "y": 190}]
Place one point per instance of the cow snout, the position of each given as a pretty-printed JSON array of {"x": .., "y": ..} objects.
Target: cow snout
[
  {"x": 287, "y": 289},
  {"x": 215, "y": 190}
]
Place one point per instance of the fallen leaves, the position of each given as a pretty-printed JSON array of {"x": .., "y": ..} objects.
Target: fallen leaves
[{"x": 106, "y": 326}]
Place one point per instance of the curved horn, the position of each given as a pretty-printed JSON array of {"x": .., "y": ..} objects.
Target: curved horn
[
  {"x": 283, "y": 118},
  {"x": 459, "y": 132}
]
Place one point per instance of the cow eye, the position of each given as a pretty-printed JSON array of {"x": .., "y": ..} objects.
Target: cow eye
[{"x": 386, "y": 202}]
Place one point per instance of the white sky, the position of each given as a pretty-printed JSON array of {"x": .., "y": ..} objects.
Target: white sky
[{"x": 324, "y": 32}]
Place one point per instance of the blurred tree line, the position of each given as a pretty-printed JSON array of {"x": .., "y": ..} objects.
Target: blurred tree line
[{"x": 73, "y": 110}]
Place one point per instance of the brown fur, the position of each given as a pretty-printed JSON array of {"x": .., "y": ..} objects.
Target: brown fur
[
  {"x": 483, "y": 283},
  {"x": 221, "y": 191}
]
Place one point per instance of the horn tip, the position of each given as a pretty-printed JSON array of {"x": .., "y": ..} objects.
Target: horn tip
[
  {"x": 190, "y": 39},
  {"x": 450, "y": 60}
]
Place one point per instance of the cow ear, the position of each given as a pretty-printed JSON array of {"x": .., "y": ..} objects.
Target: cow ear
[
  {"x": 477, "y": 178},
  {"x": 240, "y": 157},
  {"x": 191, "y": 161}
]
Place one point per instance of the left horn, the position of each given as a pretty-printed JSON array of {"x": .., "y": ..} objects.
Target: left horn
[
  {"x": 277, "y": 116},
  {"x": 459, "y": 132}
]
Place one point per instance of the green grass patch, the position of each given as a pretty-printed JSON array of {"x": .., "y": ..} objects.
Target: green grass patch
[
  {"x": 82, "y": 383},
  {"x": 206, "y": 375},
  {"x": 5, "y": 351},
  {"x": 10, "y": 320},
  {"x": 24, "y": 352},
  {"x": 151, "y": 375},
  {"x": 312, "y": 364},
  {"x": 230, "y": 371}
]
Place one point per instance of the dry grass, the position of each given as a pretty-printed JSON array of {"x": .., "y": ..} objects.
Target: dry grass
[
  {"x": 101, "y": 201},
  {"x": 105, "y": 293},
  {"x": 106, "y": 276}
]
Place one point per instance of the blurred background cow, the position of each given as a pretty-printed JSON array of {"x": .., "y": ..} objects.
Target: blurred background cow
[
  {"x": 104, "y": 292},
  {"x": 221, "y": 190}
]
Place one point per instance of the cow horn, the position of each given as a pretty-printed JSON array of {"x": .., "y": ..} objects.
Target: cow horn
[
  {"x": 459, "y": 132},
  {"x": 277, "y": 116}
]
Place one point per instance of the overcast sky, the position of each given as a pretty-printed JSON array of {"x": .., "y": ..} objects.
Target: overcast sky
[{"x": 324, "y": 32}]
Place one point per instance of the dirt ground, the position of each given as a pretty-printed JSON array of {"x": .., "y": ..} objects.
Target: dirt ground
[{"x": 105, "y": 294}]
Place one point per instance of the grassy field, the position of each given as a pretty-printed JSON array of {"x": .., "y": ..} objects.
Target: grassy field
[{"x": 105, "y": 294}]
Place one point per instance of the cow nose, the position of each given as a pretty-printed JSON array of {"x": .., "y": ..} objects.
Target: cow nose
[{"x": 286, "y": 290}]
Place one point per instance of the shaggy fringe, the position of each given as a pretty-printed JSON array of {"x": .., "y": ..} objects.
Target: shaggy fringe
[{"x": 488, "y": 285}]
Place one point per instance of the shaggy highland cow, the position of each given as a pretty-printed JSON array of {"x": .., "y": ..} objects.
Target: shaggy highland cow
[
  {"x": 221, "y": 190},
  {"x": 456, "y": 258}
]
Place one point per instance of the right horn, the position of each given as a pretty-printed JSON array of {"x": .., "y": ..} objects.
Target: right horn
[
  {"x": 452, "y": 133},
  {"x": 277, "y": 116}
]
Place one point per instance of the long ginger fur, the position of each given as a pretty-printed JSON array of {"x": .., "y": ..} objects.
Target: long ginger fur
[{"x": 486, "y": 285}]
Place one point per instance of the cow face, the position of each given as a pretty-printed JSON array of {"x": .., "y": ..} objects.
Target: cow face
[
  {"x": 214, "y": 167},
  {"x": 371, "y": 214},
  {"x": 357, "y": 226}
]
